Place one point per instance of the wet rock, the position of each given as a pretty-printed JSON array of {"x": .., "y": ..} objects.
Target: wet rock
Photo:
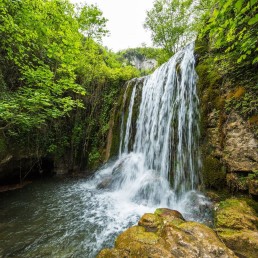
[
  {"x": 151, "y": 222},
  {"x": 235, "y": 214},
  {"x": 105, "y": 183},
  {"x": 166, "y": 234},
  {"x": 236, "y": 223},
  {"x": 232, "y": 148},
  {"x": 170, "y": 216},
  {"x": 214, "y": 197},
  {"x": 253, "y": 187},
  {"x": 167, "y": 213}
]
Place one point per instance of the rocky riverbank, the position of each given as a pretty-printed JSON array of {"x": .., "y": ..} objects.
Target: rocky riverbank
[{"x": 166, "y": 234}]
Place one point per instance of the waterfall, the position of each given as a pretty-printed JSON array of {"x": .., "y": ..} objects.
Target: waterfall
[
  {"x": 129, "y": 122},
  {"x": 159, "y": 161},
  {"x": 167, "y": 133},
  {"x": 167, "y": 127}
]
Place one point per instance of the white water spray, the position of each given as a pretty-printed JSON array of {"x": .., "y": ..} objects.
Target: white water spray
[{"x": 159, "y": 164}]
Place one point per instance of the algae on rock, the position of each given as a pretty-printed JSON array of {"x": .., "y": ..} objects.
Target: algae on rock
[
  {"x": 229, "y": 141},
  {"x": 236, "y": 223},
  {"x": 166, "y": 234}
]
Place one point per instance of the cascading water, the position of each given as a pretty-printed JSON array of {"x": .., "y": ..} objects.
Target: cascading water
[
  {"x": 166, "y": 141},
  {"x": 157, "y": 166},
  {"x": 158, "y": 163}
]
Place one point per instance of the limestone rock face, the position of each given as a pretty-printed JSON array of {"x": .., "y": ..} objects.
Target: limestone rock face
[
  {"x": 143, "y": 64},
  {"x": 166, "y": 234},
  {"x": 236, "y": 224},
  {"x": 231, "y": 153},
  {"x": 240, "y": 147}
]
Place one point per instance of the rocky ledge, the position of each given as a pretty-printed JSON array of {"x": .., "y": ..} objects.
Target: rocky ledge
[
  {"x": 166, "y": 234},
  {"x": 236, "y": 223}
]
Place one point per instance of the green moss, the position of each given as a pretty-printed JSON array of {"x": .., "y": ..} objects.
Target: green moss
[
  {"x": 242, "y": 242},
  {"x": 235, "y": 214},
  {"x": 109, "y": 253},
  {"x": 117, "y": 125},
  {"x": 252, "y": 203},
  {"x": 136, "y": 234},
  {"x": 158, "y": 211},
  {"x": 115, "y": 137},
  {"x": 214, "y": 174},
  {"x": 151, "y": 222},
  {"x": 176, "y": 222},
  {"x": 201, "y": 46}
]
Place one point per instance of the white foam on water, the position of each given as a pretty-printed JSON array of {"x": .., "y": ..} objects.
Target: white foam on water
[{"x": 162, "y": 167}]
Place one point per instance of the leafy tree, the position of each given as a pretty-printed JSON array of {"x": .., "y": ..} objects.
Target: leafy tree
[
  {"x": 168, "y": 21},
  {"x": 232, "y": 27},
  {"x": 92, "y": 23},
  {"x": 228, "y": 48},
  {"x": 39, "y": 39},
  {"x": 102, "y": 74},
  {"x": 57, "y": 84}
]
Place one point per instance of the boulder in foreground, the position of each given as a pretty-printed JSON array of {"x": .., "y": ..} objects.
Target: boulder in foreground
[
  {"x": 166, "y": 234},
  {"x": 236, "y": 224}
]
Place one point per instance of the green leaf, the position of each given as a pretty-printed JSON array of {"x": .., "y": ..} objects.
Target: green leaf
[
  {"x": 239, "y": 4},
  {"x": 255, "y": 60},
  {"x": 253, "y": 2},
  {"x": 253, "y": 20},
  {"x": 215, "y": 13}
]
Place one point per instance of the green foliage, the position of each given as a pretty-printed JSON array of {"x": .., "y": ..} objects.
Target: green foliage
[
  {"x": 227, "y": 46},
  {"x": 168, "y": 22},
  {"x": 94, "y": 157},
  {"x": 58, "y": 85},
  {"x": 246, "y": 104},
  {"x": 91, "y": 22},
  {"x": 254, "y": 175},
  {"x": 232, "y": 27},
  {"x": 39, "y": 38}
]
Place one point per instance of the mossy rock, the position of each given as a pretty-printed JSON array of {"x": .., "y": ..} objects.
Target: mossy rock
[
  {"x": 243, "y": 242},
  {"x": 151, "y": 222},
  {"x": 172, "y": 217},
  {"x": 184, "y": 239},
  {"x": 110, "y": 253},
  {"x": 235, "y": 214},
  {"x": 214, "y": 174},
  {"x": 236, "y": 223},
  {"x": 137, "y": 242},
  {"x": 137, "y": 234}
]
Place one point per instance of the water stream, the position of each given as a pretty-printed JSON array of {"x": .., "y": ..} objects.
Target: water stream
[{"x": 158, "y": 166}]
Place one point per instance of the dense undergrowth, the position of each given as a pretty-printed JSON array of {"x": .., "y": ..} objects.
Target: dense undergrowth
[{"x": 58, "y": 84}]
